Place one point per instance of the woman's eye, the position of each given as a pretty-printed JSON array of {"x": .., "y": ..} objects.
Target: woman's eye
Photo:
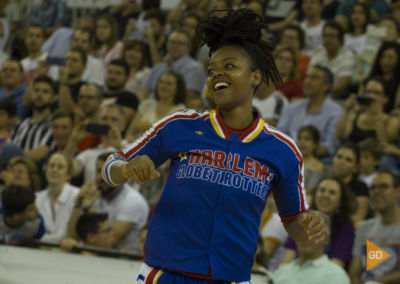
[
  {"x": 229, "y": 65},
  {"x": 210, "y": 72}
]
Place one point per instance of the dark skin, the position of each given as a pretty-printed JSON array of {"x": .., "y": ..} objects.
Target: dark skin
[{"x": 230, "y": 66}]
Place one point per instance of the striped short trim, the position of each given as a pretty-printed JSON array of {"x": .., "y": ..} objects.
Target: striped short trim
[{"x": 148, "y": 274}]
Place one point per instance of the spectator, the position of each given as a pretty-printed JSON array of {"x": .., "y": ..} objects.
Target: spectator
[
  {"x": 56, "y": 202},
  {"x": 386, "y": 67},
  {"x": 176, "y": 14},
  {"x": 14, "y": 88},
  {"x": 8, "y": 118},
  {"x": 308, "y": 141},
  {"x": 286, "y": 62},
  {"x": 378, "y": 8},
  {"x": 312, "y": 25},
  {"x": 135, "y": 54},
  {"x": 33, "y": 134},
  {"x": 370, "y": 155},
  {"x": 62, "y": 123},
  {"x": 364, "y": 116},
  {"x": 334, "y": 199},
  {"x": 126, "y": 208},
  {"x": 178, "y": 48},
  {"x": 317, "y": 110},
  {"x": 85, "y": 162},
  {"x": 106, "y": 44},
  {"x": 294, "y": 37},
  {"x": 89, "y": 100},
  {"x": 383, "y": 231},
  {"x": 339, "y": 59},
  {"x": 312, "y": 266},
  {"x": 49, "y": 14},
  {"x": 170, "y": 97},
  {"x": 356, "y": 36},
  {"x": 19, "y": 219},
  {"x": 33, "y": 40},
  {"x": 346, "y": 163},
  {"x": 269, "y": 102},
  {"x": 116, "y": 79},
  {"x": 93, "y": 229},
  {"x": 70, "y": 78},
  {"x": 94, "y": 71},
  {"x": 122, "y": 12},
  {"x": 23, "y": 172}
]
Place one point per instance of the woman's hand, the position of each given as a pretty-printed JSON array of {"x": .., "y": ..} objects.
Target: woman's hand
[
  {"x": 140, "y": 169},
  {"x": 351, "y": 103},
  {"x": 314, "y": 226}
]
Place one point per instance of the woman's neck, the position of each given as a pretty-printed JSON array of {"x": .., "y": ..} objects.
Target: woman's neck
[
  {"x": 238, "y": 118},
  {"x": 55, "y": 190},
  {"x": 133, "y": 70},
  {"x": 358, "y": 31}
]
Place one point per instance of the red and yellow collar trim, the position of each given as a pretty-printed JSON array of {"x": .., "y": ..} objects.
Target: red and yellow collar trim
[{"x": 247, "y": 135}]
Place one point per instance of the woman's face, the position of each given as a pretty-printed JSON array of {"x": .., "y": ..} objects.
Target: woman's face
[
  {"x": 344, "y": 163},
  {"x": 57, "y": 170},
  {"x": 231, "y": 81},
  {"x": 391, "y": 30},
  {"x": 21, "y": 175},
  {"x": 376, "y": 92},
  {"x": 327, "y": 196},
  {"x": 290, "y": 38},
  {"x": 306, "y": 143},
  {"x": 388, "y": 60},
  {"x": 133, "y": 56},
  {"x": 358, "y": 17},
  {"x": 189, "y": 26},
  {"x": 284, "y": 62},
  {"x": 103, "y": 30},
  {"x": 167, "y": 86}
]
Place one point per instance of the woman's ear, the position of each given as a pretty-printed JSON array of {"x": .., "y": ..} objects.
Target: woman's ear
[{"x": 256, "y": 78}]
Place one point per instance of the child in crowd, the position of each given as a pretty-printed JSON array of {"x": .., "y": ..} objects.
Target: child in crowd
[{"x": 370, "y": 155}]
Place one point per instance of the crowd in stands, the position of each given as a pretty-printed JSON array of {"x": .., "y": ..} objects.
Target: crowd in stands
[{"x": 74, "y": 91}]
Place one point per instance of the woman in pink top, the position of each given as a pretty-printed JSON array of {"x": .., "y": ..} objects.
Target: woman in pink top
[{"x": 106, "y": 44}]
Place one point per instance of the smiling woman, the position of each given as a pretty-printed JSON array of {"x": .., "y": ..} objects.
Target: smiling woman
[{"x": 224, "y": 163}]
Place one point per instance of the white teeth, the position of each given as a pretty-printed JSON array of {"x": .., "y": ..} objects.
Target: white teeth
[{"x": 220, "y": 85}]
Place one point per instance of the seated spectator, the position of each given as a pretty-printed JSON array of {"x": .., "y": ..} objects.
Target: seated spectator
[
  {"x": 135, "y": 54},
  {"x": 386, "y": 67},
  {"x": 273, "y": 236},
  {"x": 383, "y": 231},
  {"x": 8, "y": 118},
  {"x": 391, "y": 158},
  {"x": 334, "y": 199},
  {"x": 312, "y": 266},
  {"x": 294, "y": 37},
  {"x": 115, "y": 81},
  {"x": 49, "y": 14},
  {"x": 176, "y": 14},
  {"x": 62, "y": 124},
  {"x": 308, "y": 141},
  {"x": 93, "y": 229},
  {"x": 112, "y": 116},
  {"x": 70, "y": 78},
  {"x": 23, "y": 172},
  {"x": 318, "y": 110},
  {"x": 106, "y": 44},
  {"x": 178, "y": 48},
  {"x": 170, "y": 96},
  {"x": 346, "y": 163},
  {"x": 312, "y": 25},
  {"x": 378, "y": 8},
  {"x": 56, "y": 202},
  {"x": 269, "y": 102},
  {"x": 13, "y": 86},
  {"x": 34, "y": 40},
  {"x": 33, "y": 134},
  {"x": 364, "y": 115},
  {"x": 370, "y": 155},
  {"x": 122, "y": 13},
  {"x": 356, "y": 36},
  {"x": 286, "y": 62},
  {"x": 339, "y": 59},
  {"x": 19, "y": 219},
  {"x": 90, "y": 98},
  {"x": 126, "y": 208}
]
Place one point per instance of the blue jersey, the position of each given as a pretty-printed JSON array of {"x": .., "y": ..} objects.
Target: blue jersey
[{"x": 208, "y": 216}]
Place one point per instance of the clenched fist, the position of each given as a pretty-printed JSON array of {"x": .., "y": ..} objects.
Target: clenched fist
[{"x": 140, "y": 169}]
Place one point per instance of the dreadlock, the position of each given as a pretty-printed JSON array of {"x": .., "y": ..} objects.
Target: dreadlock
[{"x": 242, "y": 28}]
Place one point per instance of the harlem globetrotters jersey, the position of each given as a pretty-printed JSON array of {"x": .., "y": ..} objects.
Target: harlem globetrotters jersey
[{"x": 207, "y": 219}]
